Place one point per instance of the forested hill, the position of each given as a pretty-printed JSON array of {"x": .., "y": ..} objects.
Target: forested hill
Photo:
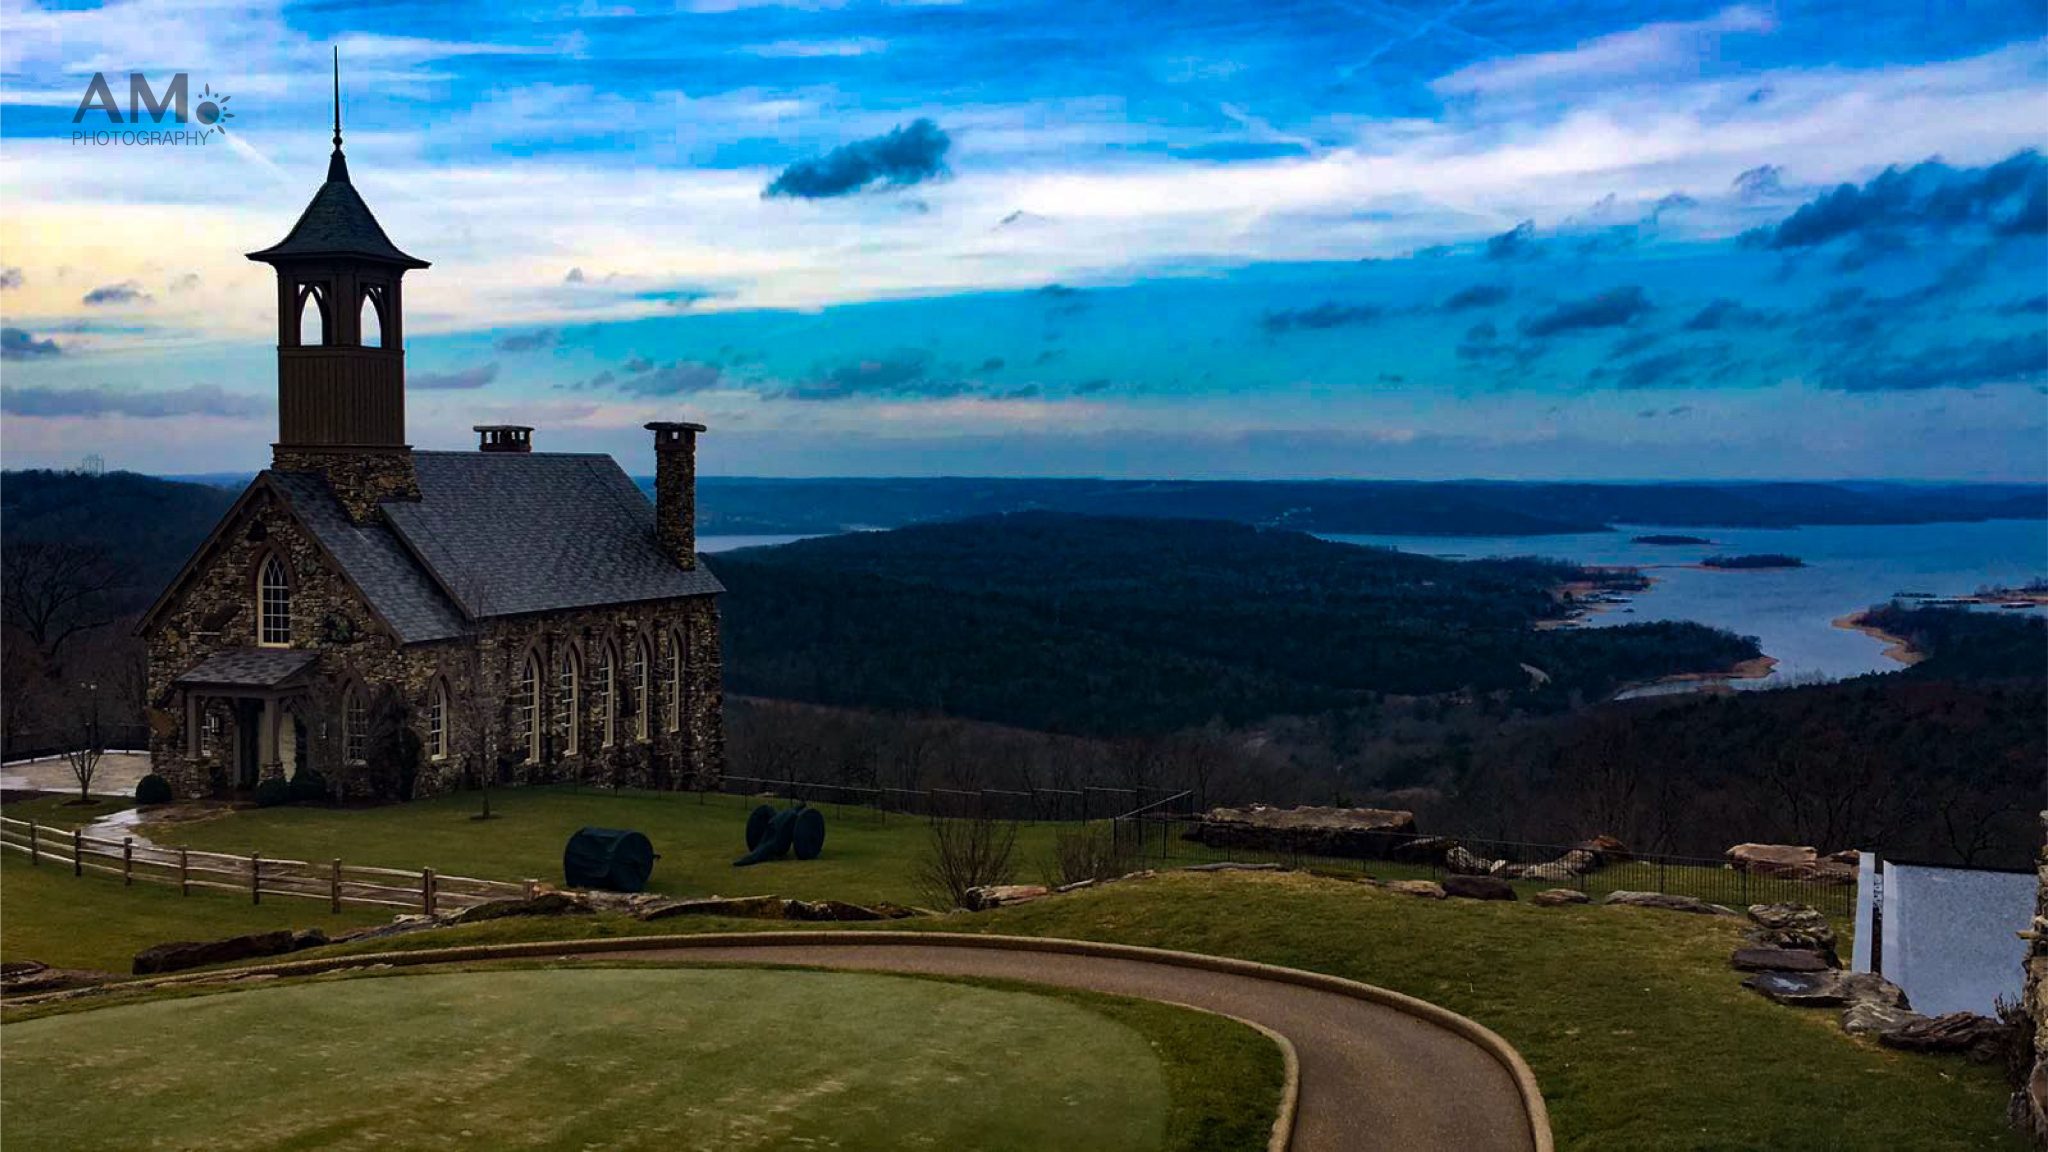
[
  {"x": 738, "y": 505},
  {"x": 1958, "y": 644},
  {"x": 1123, "y": 625},
  {"x": 143, "y": 525}
]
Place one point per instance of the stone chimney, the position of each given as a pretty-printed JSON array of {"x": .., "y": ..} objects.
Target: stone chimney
[
  {"x": 675, "y": 490},
  {"x": 503, "y": 437}
]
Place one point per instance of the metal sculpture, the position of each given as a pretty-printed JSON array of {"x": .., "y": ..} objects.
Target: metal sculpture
[{"x": 771, "y": 835}]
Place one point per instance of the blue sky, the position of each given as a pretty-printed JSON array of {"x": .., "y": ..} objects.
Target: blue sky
[{"x": 1248, "y": 239}]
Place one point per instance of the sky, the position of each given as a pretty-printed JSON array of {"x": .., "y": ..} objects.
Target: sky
[{"x": 1354, "y": 238}]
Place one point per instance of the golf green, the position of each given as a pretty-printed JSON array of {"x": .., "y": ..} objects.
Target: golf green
[{"x": 669, "y": 1058}]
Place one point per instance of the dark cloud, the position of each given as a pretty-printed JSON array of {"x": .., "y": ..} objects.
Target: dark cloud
[
  {"x": 1517, "y": 243},
  {"x": 2009, "y": 197},
  {"x": 1477, "y": 296},
  {"x": 638, "y": 364},
  {"x": 676, "y": 379},
  {"x": 1328, "y": 314},
  {"x": 2027, "y": 307},
  {"x": 1760, "y": 182},
  {"x": 184, "y": 283},
  {"x": 1675, "y": 202},
  {"x": 1727, "y": 313},
  {"x": 1634, "y": 343},
  {"x": 1482, "y": 344},
  {"x": 675, "y": 297},
  {"x": 198, "y": 400},
  {"x": 1618, "y": 238},
  {"x": 17, "y": 344},
  {"x": 1613, "y": 308},
  {"x": 1987, "y": 360},
  {"x": 1089, "y": 387},
  {"x": 1433, "y": 252},
  {"x": 1020, "y": 219},
  {"x": 902, "y": 373},
  {"x": 1024, "y": 392},
  {"x": 575, "y": 276},
  {"x": 126, "y": 292},
  {"x": 992, "y": 364},
  {"x": 460, "y": 380},
  {"x": 1664, "y": 369},
  {"x": 525, "y": 341},
  {"x": 906, "y": 155},
  {"x": 11, "y": 277}
]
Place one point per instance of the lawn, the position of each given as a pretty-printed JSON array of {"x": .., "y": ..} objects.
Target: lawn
[
  {"x": 868, "y": 857},
  {"x": 639, "y": 1057}
]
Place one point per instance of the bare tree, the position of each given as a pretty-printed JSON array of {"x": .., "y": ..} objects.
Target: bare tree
[
  {"x": 86, "y": 740},
  {"x": 964, "y": 853},
  {"x": 52, "y": 590}
]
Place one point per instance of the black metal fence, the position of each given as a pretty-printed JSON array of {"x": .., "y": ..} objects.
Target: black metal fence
[{"x": 1083, "y": 804}]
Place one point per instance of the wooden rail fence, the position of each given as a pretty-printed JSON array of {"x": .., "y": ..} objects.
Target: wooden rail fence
[{"x": 339, "y": 884}]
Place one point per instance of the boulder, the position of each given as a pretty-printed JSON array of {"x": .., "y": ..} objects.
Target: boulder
[
  {"x": 26, "y": 977},
  {"x": 1552, "y": 897},
  {"x": 1605, "y": 849},
  {"x": 1429, "y": 889},
  {"x": 1478, "y": 888},
  {"x": 1798, "y": 926},
  {"x": 1868, "y": 1018},
  {"x": 180, "y": 955},
  {"x": 1800, "y": 989},
  {"x": 1770, "y": 859},
  {"x": 1666, "y": 901},
  {"x": 1870, "y": 988},
  {"x": 747, "y": 907},
  {"x": 540, "y": 904},
  {"x": 1465, "y": 862},
  {"x": 1981, "y": 1038},
  {"x": 1778, "y": 960},
  {"x": 1354, "y": 832},
  {"x": 1002, "y": 895},
  {"x": 1424, "y": 849}
]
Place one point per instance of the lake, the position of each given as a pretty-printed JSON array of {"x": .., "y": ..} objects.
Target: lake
[{"x": 1791, "y": 611}]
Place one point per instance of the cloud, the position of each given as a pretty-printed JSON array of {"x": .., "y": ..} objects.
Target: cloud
[
  {"x": 1726, "y": 313},
  {"x": 461, "y": 379},
  {"x": 526, "y": 341},
  {"x": 17, "y": 344},
  {"x": 992, "y": 364},
  {"x": 1328, "y": 314},
  {"x": 903, "y": 373},
  {"x": 1090, "y": 387},
  {"x": 1973, "y": 364},
  {"x": 2028, "y": 306},
  {"x": 1477, "y": 296},
  {"x": 679, "y": 378},
  {"x": 574, "y": 276},
  {"x": 2009, "y": 197},
  {"x": 10, "y": 277},
  {"x": 1517, "y": 243},
  {"x": 184, "y": 283},
  {"x": 638, "y": 364},
  {"x": 1610, "y": 309},
  {"x": 904, "y": 156},
  {"x": 198, "y": 400},
  {"x": 1660, "y": 370},
  {"x": 1651, "y": 49},
  {"x": 126, "y": 292},
  {"x": 1760, "y": 183}
]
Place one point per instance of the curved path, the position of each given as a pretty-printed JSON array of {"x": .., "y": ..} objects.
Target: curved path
[{"x": 1373, "y": 1075}]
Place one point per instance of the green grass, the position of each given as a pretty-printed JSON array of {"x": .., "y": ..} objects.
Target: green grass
[
  {"x": 62, "y": 809},
  {"x": 91, "y": 921},
  {"x": 867, "y": 857},
  {"x": 639, "y": 1057}
]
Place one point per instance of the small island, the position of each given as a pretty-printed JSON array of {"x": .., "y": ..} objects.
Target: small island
[
  {"x": 1664, "y": 539},
  {"x": 1754, "y": 560}
]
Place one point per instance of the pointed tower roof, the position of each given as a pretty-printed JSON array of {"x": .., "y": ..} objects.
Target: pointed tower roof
[{"x": 337, "y": 222}]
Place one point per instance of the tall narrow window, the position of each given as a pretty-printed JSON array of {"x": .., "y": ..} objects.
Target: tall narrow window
[
  {"x": 672, "y": 686},
  {"x": 636, "y": 675},
  {"x": 526, "y": 709},
  {"x": 437, "y": 722},
  {"x": 274, "y": 604},
  {"x": 607, "y": 694},
  {"x": 312, "y": 315},
  {"x": 567, "y": 700},
  {"x": 355, "y": 727},
  {"x": 370, "y": 322}
]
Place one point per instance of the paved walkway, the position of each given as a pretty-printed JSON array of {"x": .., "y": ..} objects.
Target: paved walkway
[
  {"x": 1372, "y": 1077},
  {"x": 117, "y": 775}
]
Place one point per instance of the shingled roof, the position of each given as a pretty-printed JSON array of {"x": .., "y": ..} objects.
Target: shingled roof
[
  {"x": 248, "y": 668},
  {"x": 337, "y": 223},
  {"x": 375, "y": 560},
  {"x": 511, "y": 533}
]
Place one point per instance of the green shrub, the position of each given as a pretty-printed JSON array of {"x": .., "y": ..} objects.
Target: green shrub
[
  {"x": 308, "y": 787},
  {"x": 272, "y": 792},
  {"x": 153, "y": 789}
]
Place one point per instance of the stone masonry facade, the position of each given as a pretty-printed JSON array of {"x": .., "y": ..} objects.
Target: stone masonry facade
[{"x": 480, "y": 675}]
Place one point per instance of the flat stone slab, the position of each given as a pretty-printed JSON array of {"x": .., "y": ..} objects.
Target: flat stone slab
[
  {"x": 1778, "y": 960},
  {"x": 1666, "y": 901},
  {"x": 1800, "y": 989},
  {"x": 1866, "y": 1019},
  {"x": 1552, "y": 897},
  {"x": 1428, "y": 889}
]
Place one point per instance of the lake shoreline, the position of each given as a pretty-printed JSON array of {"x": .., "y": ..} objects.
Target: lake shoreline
[{"x": 1896, "y": 647}]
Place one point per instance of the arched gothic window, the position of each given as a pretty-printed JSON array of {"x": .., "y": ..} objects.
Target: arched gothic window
[
  {"x": 355, "y": 726},
  {"x": 568, "y": 699},
  {"x": 370, "y": 319},
  {"x": 274, "y": 603},
  {"x": 437, "y": 722},
  {"x": 608, "y": 694},
  {"x": 526, "y": 709},
  {"x": 314, "y": 329},
  {"x": 637, "y": 676},
  {"x": 672, "y": 686}
]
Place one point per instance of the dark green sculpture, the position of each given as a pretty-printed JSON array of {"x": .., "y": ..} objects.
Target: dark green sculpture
[{"x": 771, "y": 835}]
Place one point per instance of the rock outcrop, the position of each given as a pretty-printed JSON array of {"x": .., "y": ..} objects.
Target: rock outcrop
[
  {"x": 1793, "y": 926},
  {"x": 180, "y": 955},
  {"x": 1552, "y": 897},
  {"x": 1667, "y": 901},
  {"x": 1980, "y": 1038},
  {"x": 26, "y": 977},
  {"x": 1791, "y": 862},
  {"x": 1363, "y": 833}
]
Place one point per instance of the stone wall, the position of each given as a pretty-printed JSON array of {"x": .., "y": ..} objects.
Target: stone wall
[
  {"x": 2030, "y": 1097},
  {"x": 361, "y": 477},
  {"x": 218, "y": 611}
]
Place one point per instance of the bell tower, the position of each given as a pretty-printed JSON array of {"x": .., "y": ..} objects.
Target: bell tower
[{"x": 340, "y": 344}]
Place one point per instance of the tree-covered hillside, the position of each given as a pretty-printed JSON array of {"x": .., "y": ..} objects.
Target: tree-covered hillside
[{"x": 1112, "y": 626}]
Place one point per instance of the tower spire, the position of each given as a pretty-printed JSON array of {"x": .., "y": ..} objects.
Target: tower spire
[{"x": 337, "y": 165}]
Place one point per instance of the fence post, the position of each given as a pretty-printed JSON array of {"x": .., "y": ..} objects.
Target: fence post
[
  {"x": 128, "y": 861},
  {"x": 255, "y": 878},
  {"x": 34, "y": 857},
  {"x": 334, "y": 885},
  {"x": 184, "y": 875},
  {"x": 427, "y": 891},
  {"x": 77, "y": 852}
]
